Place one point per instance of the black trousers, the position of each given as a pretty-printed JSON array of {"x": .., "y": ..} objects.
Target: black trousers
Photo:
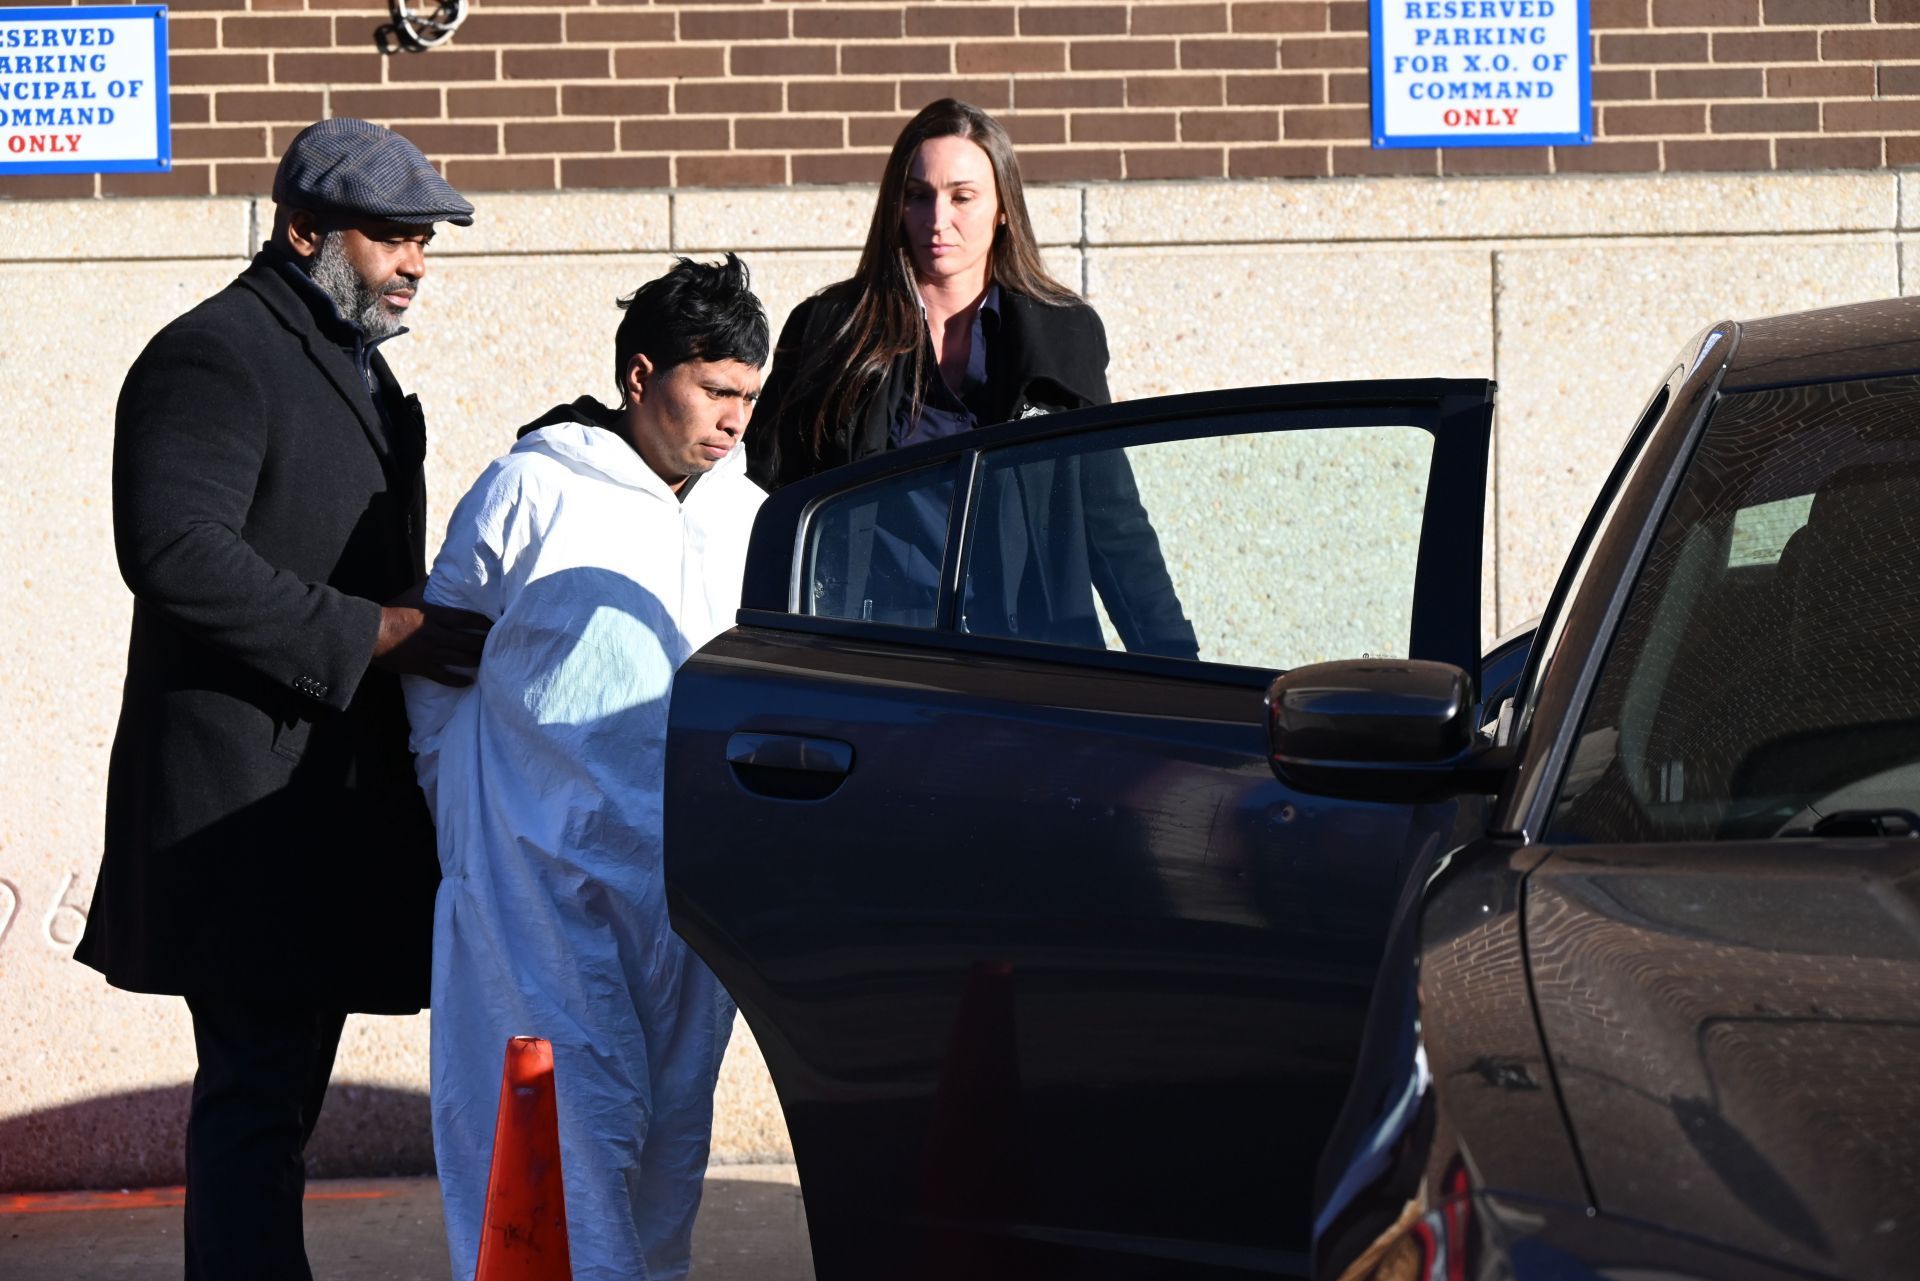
[{"x": 262, "y": 1076}]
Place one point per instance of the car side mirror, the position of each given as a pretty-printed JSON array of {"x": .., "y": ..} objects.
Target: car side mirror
[{"x": 1379, "y": 730}]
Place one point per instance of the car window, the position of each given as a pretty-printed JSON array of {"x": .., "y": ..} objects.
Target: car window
[
  {"x": 874, "y": 553},
  {"x": 1256, "y": 548},
  {"x": 1762, "y": 678}
]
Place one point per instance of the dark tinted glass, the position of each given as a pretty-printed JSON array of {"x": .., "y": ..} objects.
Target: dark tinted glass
[
  {"x": 1766, "y": 673},
  {"x": 874, "y": 553}
]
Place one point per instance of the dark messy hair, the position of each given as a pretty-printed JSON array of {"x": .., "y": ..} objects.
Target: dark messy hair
[
  {"x": 886, "y": 320},
  {"x": 697, "y": 311}
]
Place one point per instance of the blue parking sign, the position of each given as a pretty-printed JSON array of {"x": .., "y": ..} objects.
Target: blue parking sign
[
  {"x": 84, "y": 90},
  {"x": 1482, "y": 73}
]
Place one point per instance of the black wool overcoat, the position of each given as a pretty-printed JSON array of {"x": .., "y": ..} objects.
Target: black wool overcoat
[{"x": 265, "y": 835}]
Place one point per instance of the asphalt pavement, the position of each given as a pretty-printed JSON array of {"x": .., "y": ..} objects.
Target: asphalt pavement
[{"x": 751, "y": 1228}]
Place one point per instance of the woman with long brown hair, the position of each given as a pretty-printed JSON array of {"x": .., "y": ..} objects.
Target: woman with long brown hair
[{"x": 952, "y": 322}]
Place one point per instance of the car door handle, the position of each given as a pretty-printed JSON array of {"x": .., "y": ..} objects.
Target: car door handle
[{"x": 790, "y": 752}]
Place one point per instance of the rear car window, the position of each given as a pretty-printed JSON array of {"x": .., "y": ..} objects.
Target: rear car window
[{"x": 1765, "y": 677}]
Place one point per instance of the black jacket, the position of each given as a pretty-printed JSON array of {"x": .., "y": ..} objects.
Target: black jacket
[
  {"x": 265, "y": 835},
  {"x": 1058, "y": 528}
]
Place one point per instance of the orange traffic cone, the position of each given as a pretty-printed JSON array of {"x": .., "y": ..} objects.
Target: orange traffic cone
[{"x": 524, "y": 1237}]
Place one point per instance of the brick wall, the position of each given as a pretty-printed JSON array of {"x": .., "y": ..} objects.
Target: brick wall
[{"x": 545, "y": 94}]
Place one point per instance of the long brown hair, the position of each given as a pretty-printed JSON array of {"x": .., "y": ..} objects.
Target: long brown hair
[{"x": 886, "y": 320}]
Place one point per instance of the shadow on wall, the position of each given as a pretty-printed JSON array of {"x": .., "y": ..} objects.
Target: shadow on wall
[{"x": 138, "y": 1139}]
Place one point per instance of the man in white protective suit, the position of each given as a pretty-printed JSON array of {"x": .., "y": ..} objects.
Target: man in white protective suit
[{"x": 607, "y": 546}]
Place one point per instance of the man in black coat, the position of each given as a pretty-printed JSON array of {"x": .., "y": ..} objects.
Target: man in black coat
[{"x": 268, "y": 853}]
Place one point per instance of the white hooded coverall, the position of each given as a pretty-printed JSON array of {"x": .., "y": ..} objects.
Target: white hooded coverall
[{"x": 545, "y": 779}]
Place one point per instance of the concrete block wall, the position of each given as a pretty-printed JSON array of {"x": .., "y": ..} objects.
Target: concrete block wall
[{"x": 1573, "y": 291}]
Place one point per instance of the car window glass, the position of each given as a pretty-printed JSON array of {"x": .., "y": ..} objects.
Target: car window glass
[
  {"x": 874, "y": 553},
  {"x": 1258, "y": 548},
  {"x": 1761, "y": 679}
]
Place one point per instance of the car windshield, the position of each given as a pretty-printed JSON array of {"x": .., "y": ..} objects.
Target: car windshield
[{"x": 1765, "y": 678}]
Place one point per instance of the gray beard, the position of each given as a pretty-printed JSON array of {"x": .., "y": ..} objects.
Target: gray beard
[{"x": 358, "y": 301}]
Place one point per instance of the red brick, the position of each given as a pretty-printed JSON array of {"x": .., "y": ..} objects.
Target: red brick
[
  {"x": 1824, "y": 82},
  {"x": 248, "y": 178},
  {"x": 1046, "y": 164},
  {"x": 555, "y": 64},
  {"x": 1175, "y": 162},
  {"x": 1384, "y": 162},
  {"x": 728, "y": 97},
  {"x": 325, "y": 69},
  {"x": 841, "y": 95},
  {"x": 1903, "y": 151},
  {"x": 733, "y": 24},
  {"x": 1727, "y": 155},
  {"x": 1608, "y": 157},
  {"x": 1889, "y": 116},
  {"x": 1348, "y": 15},
  {"x": 675, "y": 135},
  {"x": 994, "y": 94},
  {"x": 789, "y": 133},
  {"x": 956, "y": 20},
  {"x": 730, "y": 171},
  {"x": 1764, "y": 117},
  {"x": 237, "y": 105},
  {"x": 219, "y": 144},
  {"x": 502, "y": 174},
  {"x": 47, "y": 186},
  {"x": 874, "y": 131},
  {"x": 886, "y": 59},
  {"x": 192, "y": 33},
  {"x": 217, "y": 68},
  {"x": 1320, "y": 53},
  {"x": 246, "y": 32},
  {"x": 511, "y": 28},
  {"x": 1179, "y": 19},
  {"x": 1706, "y": 13},
  {"x": 1711, "y": 82},
  {"x": 1277, "y": 162},
  {"x": 1895, "y": 82},
  {"x": 1616, "y": 86},
  {"x": 189, "y": 108},
  {"x": 443, "y": 65},
  {"x": 181, "y": 180},
  {"x": 783, "y": 59},
  {"x": 546, "y": 137},
  {"x": 1229, "y": 126},
  {"x": 1675, "y": 47},
  {"x": 467, "y": 139},
  {"x": 615, "y": 100},
  {"x": 1818, "y": 13},
  {"x": 669, "y": 63},
  {"x": 1035, "y": 129},
  {"x": 1125, "y": 126},
  {"x": 839, "y": 168},
  {"x": 855, "y": 24},
  {"x": 620, "y": 28},
  {"x": 1827, "y": 153},
  {"x": 1628, "y": 121},
  {"x": 1630, "y": 15},
  {"x": 1284, "y": 90},
  {"x": 1882, "y": 45},
  {"x": 1125, "y": 55},
  {"x": 1236, "y": 55},
  {"x": 1495, "y": 160},
  {"x": 616, "y": 172},
  {"x": 1323, "y": 124},
  {"x": 1071, "y": 20},
  {"x": 516, "y": 100},
  {"x": 1176, "y": 91},
  {"x": 1766, "y": 46},
  {"x": 1349, "y": 87},
  {"x": 1898, "y": 10},
  {"x": 1010, "y": 56},
  {"x": 1084, "y": 92},
  {"x": 203, "y": 6},
  {"x": 1283, "y": 17},
  {"x": 387, "y": 104}
]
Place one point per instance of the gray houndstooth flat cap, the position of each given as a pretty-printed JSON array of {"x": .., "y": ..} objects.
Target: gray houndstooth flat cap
[{"x": 355, "y": 167}]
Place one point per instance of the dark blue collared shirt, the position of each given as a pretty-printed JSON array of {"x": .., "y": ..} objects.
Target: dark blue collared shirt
[{"x": 942, "y": 411}]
